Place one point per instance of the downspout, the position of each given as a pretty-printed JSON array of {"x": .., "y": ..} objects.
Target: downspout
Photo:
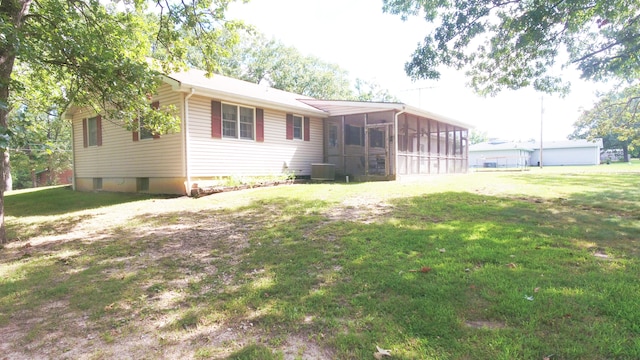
[
  {"x": 186, "y": 141},
  {"x": 73, "y": 157},
  {"x": 395, "y": 141}
]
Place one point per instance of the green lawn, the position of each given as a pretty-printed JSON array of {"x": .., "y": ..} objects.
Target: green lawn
[{"x": 523, "y": 265}]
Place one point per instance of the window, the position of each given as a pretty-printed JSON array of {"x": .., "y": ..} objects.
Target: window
[
  {"x": 142, "y": 184},
  {"x": 297, "y": 127},
  {"x": 229, "y": 120},
  {"x": 97, "y": 183},
  {"x": 246, "y": 123},
  {"x": 376, "y": 138},
  {"x": 92, "y": 131},
  {"x": 232, "y": 125},
  {"x": 353, "y": 135},
  {"x": 333, "y": 136},
  {"x": 145, "y": 133}
]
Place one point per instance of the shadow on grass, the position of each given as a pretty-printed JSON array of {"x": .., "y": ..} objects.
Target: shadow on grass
[
  {"x": 62, "y": 200},
  {"x": 282, "y": 267}
]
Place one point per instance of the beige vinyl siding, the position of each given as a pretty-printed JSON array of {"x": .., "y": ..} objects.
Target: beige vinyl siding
[
  {"x": 236, "y": 157},
  {"x": 120, "y": 156}
]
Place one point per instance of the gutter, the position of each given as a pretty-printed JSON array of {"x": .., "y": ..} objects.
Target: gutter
[
  {"x": 73, "y": 153},
  {"x": 395, "y": 142},
  {"x": 185, "y": 121},
  {"x": 257, "y": 102}
]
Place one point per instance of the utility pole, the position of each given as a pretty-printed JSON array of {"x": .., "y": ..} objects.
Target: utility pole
[{"x": 541, "y": 119}]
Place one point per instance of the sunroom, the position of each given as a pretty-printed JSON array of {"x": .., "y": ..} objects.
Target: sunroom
[{"x": 387, "y": 141}]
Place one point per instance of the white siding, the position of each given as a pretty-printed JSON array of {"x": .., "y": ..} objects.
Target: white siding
[
  {"x": 235, "y": 157},
  {"x": 120, "y": 156},
  {"x": 567, "y": 156}
]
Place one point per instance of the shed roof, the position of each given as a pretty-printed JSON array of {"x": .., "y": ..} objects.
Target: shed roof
[{"x": 347, "y": 107}]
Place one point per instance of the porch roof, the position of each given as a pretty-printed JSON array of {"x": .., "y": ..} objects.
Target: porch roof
[{"x": 347, "y": 107}]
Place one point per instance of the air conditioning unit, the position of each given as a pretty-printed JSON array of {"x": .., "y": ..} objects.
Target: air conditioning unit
[{"x": 323, "y": 171}]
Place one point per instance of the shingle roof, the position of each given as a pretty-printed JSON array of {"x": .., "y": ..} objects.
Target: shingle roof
[{"x": 226, "y": 88}]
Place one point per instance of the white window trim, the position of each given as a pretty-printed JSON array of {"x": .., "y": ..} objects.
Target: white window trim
[
  {"x": 238, "y": 106},
  {"x": 140, "y": 138},
  {"x": 95, "y": 122},
  {"x": 301, "y": 127}
]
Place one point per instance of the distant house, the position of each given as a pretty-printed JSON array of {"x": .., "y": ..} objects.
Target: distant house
[
  {"x": 46, "y": 177},
  {"x": 568, "y": 152},
  {"x": 500, "y": 154},
  {"x": 504, "y": 154},
  {"x": 234, "y": 128}
]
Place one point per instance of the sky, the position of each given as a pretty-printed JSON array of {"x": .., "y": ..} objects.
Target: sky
[{"x": 374, "y": 46}]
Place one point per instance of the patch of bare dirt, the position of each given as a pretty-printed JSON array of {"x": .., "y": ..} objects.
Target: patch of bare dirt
[
  {"x": 360, "y": 209},
  {"x": 485, "y": 324},
  {"x": 195, "y": 234}
]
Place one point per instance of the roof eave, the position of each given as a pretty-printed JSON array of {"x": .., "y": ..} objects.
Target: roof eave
[
  {"x": 255, "y": 101},
  {"x": 434, "y": 116}
]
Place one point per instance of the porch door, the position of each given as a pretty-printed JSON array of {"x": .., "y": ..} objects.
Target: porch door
[
  {"x": 334, "y": 145},
  {"x": 377, "y": 149}
]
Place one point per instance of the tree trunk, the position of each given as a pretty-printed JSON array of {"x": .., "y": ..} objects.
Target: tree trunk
[
  {"x": 625, "y": 152},
  {"x": 14, "y": 11},
  {"x": 6, "y": 67},
  {"x": 8, "y": 180}
]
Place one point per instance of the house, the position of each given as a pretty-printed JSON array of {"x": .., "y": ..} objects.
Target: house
[
  {"x": 234, "y": 128},
  {"x": 567, "y": 152},
  {"x": 500, "y": 154},
  {"x": 46, "y": 177}
]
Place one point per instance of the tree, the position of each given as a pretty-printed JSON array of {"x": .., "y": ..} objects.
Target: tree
[
  {"x": 258, "y": 60},
  {"x": 615, "y": 118},
  {"x": 41, "y": 138},
  {"x": 511, "y": 44},
  {"x": 41, "y": 141},
  {"x": 97, "y": 52},
  {"x": 372, "y": 91},
  {"x": 477, "y": 137}
]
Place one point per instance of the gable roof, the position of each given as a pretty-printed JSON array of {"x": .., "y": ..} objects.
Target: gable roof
[{"x": 230, "y": 89}]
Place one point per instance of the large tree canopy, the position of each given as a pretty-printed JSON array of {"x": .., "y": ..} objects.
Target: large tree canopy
[
  {"x": 96, "y": 52},
  {"x": 615, "y": 118},
  {"x": 257, "y": 59},
  {"x": 511, "y": 44},
  {"x": 260, "y": 60}
]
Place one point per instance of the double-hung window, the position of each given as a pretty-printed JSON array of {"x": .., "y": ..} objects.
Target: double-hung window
[
  {"x": 92, "y": 131},
  {"x": 145, "y": 133},
  {"x": 238, "y": 122},
  {"x": 297, "y": 127}
]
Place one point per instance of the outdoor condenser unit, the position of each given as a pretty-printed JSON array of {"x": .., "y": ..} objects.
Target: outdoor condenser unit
[{"x": 323, "y": 171}]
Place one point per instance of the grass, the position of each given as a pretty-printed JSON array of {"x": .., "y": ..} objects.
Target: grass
[{"x": 487, "y": 265}]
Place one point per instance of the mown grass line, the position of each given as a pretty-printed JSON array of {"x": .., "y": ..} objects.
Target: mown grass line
[{"x": 481, "y": 266}]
